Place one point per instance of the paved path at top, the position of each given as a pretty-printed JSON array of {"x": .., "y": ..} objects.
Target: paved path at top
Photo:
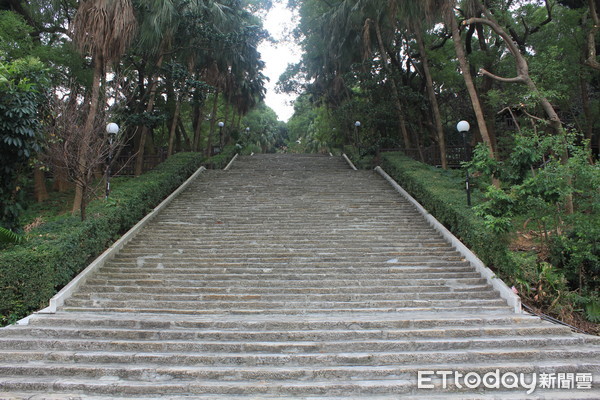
[{"x": 287, "y": 276}]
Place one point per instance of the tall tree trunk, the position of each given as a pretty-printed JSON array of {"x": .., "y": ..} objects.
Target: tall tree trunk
[
  {"x": 61, "y": 181},
  {"x": 239, "y": 122},
  {"x": 39, "y": 185},
  {"x": 464, "y": 67},
  {"x": 183, "y": 136},
  {"x": 394, "y": 87},
  {"x": 227, "y": 128},
  {"x": 432, "y": 97},
  {"x": 592, "y": 59},
  {"x": 88, "y": 131},
  {"x": 139, "y": 160},
  {"x": 213, "y": 121},
  {"x": 420, "y": 142},
  {"x": 173, "y": 127},
  {"x": 523, "y": 77},
  {"x": 587, "y": 111},
  {"x": 198, "y": 111}
]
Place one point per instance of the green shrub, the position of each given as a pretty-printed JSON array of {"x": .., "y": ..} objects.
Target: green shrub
[
  {"x": 31, "y": 273},
  {"x": 251, "y": 148},
  {"x": 442, "y": 194},
  {"x": 577, "y": 253}
]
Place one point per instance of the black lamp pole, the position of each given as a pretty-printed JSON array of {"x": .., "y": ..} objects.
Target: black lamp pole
[
  {"x": 463, "y": 127},
  {"x": 112, "y": 129}
]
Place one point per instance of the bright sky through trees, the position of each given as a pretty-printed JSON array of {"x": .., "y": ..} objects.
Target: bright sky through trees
[{"x": 279, "y": 22}]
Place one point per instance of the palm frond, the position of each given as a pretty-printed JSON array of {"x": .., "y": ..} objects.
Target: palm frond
[
  {"x": 7, "y": 236},
  {"x": 104, "y": 28}
]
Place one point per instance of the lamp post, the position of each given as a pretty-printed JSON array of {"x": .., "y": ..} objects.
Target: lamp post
[
  {"x": 221, "y": 125},
  {"x": 246, "y": 139},
  {"x": 356, "y": 135},
  {"x": 463, "y": 127},
  {"x": 112, "y": 129}
]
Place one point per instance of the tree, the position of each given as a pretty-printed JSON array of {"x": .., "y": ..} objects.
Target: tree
[
  {"x": 592, "y": 59},
  {"x": 23, "y": 85},
  {"x": 523, "y": 77},
  {"x": 214, "y": 43},
  {"x": 104, "y": 29},
  {"x": 264, "y": 132},
  {"x": 66, "y": 140}
]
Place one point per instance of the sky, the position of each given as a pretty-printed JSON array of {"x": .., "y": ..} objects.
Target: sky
[{"x": 279, "y": 22}]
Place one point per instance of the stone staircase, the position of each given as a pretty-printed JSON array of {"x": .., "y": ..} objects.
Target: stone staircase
[{"x": 288, "y": 276}]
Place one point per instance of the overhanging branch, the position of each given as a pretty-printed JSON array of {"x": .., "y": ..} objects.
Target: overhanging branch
[{"x": 516, "y": 79}]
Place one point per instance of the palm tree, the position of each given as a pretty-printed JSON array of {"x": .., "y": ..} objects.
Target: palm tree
[
  {"x": 103, "y": 29},
  {"x": 431, "y": 92},
  {"x": 383, "y": 52},
  {"x": 158, "y": 23}
]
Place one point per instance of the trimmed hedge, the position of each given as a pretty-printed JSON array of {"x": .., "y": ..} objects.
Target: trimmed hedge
[
  {"x": 31, "y": 273},
  {"x": 221, "y": 160},
  {"x": 442, "y": 194}
]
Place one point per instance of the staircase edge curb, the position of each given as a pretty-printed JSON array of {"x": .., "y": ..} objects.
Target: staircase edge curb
[
  {"x": 59, "y": 298},
  {"x": 498, "y": 284}
]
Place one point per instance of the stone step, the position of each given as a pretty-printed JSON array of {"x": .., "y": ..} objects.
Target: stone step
[
  {"x": 112, "y": 386},
  {"x": 285, "y": 269},
  {"x": 283, "y": 262},
  {"x": 269, "y": 274},
  {"x": 251, "y": 253},
  {"x": 458, "y": 282},
  {"x": 164, "y": 373},
  {"x": 289, "y": 335},
  {"x": 301, "y": 305},
  {"x": 362, "y": 289},
  {"x": 289, "y": 311},
  {"x": 197, "y": 246},
  {"x": 329, "y": 230},
  {"x": 516, "y": 394},
  {"x": 364, "y": 320},
  {"x": 268, "y": 297},
  {"x": 295, "y": 348},
  {"x": 557, "y": 358}
]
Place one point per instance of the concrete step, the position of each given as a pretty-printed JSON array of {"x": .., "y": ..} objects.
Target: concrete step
[
  {"x": 325, "y": 321},
  {"x": 234, "y": 386},
  {"x": 303, "y": 350},
  {"x": 289, "y": 289},
  {"x": 158, "y": 372},
  {"x": 283, "y": 297},
  {"x": 307, "y": 304},
  {"x": 458, "y": 282},
  {"x": 289, "y": 311},
  {"x": 284, "y": 269},
  {"x": 526, "y": 359},
  {"x": 287, "y": 262},
  {"x": 289, "y": 335},
  {"x": 291, "y": 255},
  {"x": 269, "y": 274},
  {"x": 498, "y": 394}
]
